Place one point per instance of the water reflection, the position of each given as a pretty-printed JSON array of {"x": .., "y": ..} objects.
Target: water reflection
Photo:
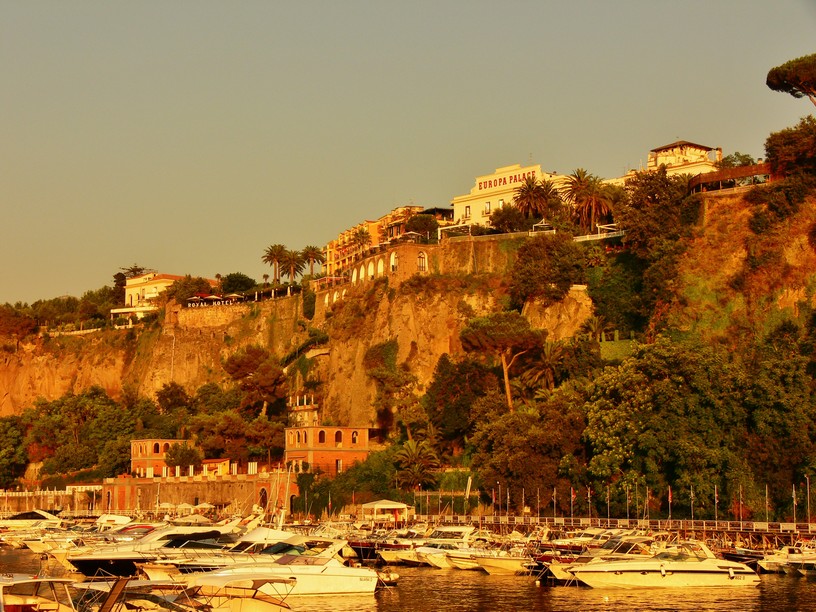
[{"x": 424, "y": 589}]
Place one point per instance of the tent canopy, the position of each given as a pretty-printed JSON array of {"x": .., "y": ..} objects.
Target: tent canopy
[{"x": 384, "y": 504}]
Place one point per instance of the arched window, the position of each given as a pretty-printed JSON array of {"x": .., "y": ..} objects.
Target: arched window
[
  {"x": 422, "y": 262},
  {"x": 354, "y": 437},
  {"x": 354, "y": 276},
  {"x": 305, "y": 437},
  {"x": 338, "y": 438},
  {"x": 371, "y": 270},
  {"x": 336, "y": 296},
  {"x": 393, "y": 261},
  {"x": 166, "y": 447},
  {"x": 321, "y": 437},
  {"x": 263, "y": 498},
  {"x": 156, "y": 448},
  {"x": 380, "y": 267},
  {"x": 298, "y": 438},
  {"x": 362, "y": 275},
  {"x": 326, "y": 299}
]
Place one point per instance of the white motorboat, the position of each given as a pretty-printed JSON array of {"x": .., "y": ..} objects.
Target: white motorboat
[
  {"x": 261, "y": 545},
  {"x": 505, "y": 564},
  {"x": 21, "y": 592},
  {"x": 788, "y": 559},
  {"x": 314, "y": 575},
  {"x": 215, "y": 594},
  {"x": 619, "y": 548},
  {"x": 686, "y": 564},
  {"x": 121, "y": 559},
  {"x": 439, "y": 543}
]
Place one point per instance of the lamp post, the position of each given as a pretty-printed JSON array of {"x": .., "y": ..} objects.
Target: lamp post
[
  {"x": 807, "y": 480},
  {"x": 499, "y": 485}
]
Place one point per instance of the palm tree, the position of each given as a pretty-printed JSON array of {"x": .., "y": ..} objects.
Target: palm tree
[
  {"x": 416, "y": 462},
  {"x": 361, "y": 238},
  {"x": 273, "y": 256},
  {"x": 313, "y": 254},
  {"x": 292, "y": 263},
  {"x": 589, "y": 197},
  {"x": 530, "y": 198},
  {"x": 545, "y": 365},
  {"x": 266, "y": 279}
]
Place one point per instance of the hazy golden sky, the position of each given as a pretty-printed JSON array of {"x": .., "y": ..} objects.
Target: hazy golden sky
[{"x": 187, "y": 136}]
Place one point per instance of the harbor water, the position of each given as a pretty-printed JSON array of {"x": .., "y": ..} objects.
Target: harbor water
[{"x": 427, "y": 589}]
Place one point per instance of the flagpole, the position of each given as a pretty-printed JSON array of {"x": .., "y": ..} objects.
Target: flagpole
[
  {"x": 692, "y": 503},
  {"x": 716, "y": 503},
  {"x": 766, "y": 502}
]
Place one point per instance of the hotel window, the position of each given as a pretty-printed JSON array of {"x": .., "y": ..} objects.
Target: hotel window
[
  {"x": 467, "y": 212},
  {"x": 422, "y": 262},
  {"x": 501, "y": 203},
  {"x": 487, "y": 208}
]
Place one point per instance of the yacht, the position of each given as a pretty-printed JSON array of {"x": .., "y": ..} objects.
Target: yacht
[
  {"x": 313, "y": 575},
  {"x": 121, "y": 559},
  {"x": 686, "y": 564},
  {"x": 23, "y": 592}
]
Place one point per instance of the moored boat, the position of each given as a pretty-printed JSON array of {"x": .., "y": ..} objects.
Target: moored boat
[
  {"x": 24, "y": 593},
  {"x": 686, "y": 564}
]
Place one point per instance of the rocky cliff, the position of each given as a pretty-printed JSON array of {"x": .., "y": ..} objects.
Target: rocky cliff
[{"x": 422, "y": 313}]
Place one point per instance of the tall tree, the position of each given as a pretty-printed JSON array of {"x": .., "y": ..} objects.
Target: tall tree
[
  {"x": 292, "y": 264},
  {"x": 235, "y": 282},
  {"x": 312, "y": 255},
  {"x": 507, "y": 335},
  {"x": 259, "y": 375},
  {"x": 589, "y": 198},
  {"x": 545, "y": 269},
  {"x": 416, "y": 462},
  {"x": 272, "y": 256},
  {"x": 796, "y": 77},
  {"x": 531, "y": 197},
  {"x": 360, "y": 238}
]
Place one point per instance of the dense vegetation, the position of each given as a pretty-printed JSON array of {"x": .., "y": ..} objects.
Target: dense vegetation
[{"x": 716, "y": 414}]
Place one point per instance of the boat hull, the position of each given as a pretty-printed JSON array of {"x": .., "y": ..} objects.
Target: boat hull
[{"x": 665, "y": 577}]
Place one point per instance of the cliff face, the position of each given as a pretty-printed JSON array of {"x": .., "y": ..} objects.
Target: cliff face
[{"x": 424, "y": 315}]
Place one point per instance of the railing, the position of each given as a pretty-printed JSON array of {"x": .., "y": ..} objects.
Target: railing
[{"x": 683, "y": 525}]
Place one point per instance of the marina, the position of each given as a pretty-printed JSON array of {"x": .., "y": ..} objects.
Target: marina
[
  {"x": 422, "y": 589},
  {"x": 544, "y": 567}
]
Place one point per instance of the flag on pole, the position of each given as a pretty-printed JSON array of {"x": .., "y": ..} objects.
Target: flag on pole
[
  {"x": 670, "y": 495},
  {"x": 572, "y": 494},
  {"x": 329, "y": 502},
  {"x": 716, "y": 497}
]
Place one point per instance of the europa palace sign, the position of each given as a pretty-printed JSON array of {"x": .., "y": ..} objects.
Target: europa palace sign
[{"x": 499, "y": 179}]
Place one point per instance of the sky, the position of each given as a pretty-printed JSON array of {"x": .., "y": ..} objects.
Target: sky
[{"x": 187, "y": 136}]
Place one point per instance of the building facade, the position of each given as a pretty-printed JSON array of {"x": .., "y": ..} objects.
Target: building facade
[
  {"x": 680, "y": 157},
  {"x": 496, "y": 190},
  {"x": 341, "y": 254},
  {"x": 147, "y": 456},
  {"x": 328, "y": 449}
]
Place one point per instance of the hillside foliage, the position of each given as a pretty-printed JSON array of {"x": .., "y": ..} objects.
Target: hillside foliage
[{"x": 716, "y": 391}]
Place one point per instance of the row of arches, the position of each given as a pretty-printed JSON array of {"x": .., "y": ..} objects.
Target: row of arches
[
  {"x": 375, "y": 267},
  {"x": 140, "y": 449},
  {"x": 301, "y": 438}
]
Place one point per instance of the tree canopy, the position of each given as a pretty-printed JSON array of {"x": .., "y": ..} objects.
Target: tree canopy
[{"x": 796, "y": 77}]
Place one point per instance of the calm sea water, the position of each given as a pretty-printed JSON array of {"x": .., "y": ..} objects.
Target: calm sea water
[{"x": 426, "y": 589}]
